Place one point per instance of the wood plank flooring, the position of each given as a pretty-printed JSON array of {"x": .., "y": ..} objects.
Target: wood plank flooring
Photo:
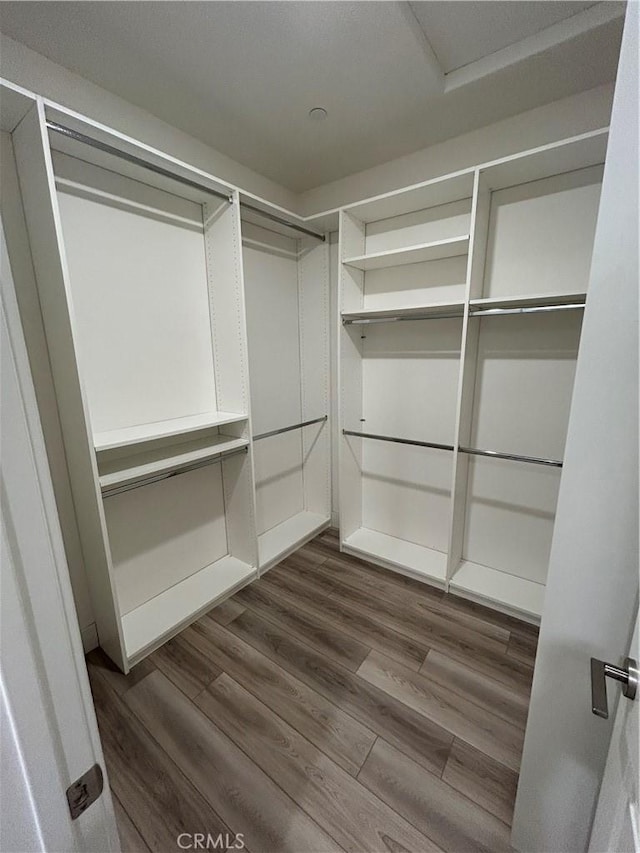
[{"x": 329, "y": 706}]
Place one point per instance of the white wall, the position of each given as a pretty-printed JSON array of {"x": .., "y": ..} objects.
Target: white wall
[{"x": 557, "y": 120}]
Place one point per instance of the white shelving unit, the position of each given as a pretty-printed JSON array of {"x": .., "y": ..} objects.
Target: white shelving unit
[
  {"x": 140, "y": 284},
  {"x": 399, "y": 379},
  {"x": 456, "y": 372},
  {"x": 287, "y": 291}
]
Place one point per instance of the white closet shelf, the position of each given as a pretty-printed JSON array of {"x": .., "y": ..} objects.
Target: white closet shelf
[
  {"x": 517, "y": 596},
  {"x": 149, "y": 625},
  {"x": 530, "y": 301},
  {"x": 283, "y": 539},
  {"x": 118, "y": 472},
  {"x": 427, "y": 194},
  {"x": 434, "y": 251},
  {"x": 163, "y": 429},
  {"x": 398, "y": 554},
  {"x": 431, "y": 309},
  {"x": 580, "y": 152}
]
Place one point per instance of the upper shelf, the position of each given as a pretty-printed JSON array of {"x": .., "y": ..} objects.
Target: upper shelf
[
  {"x": 411, "y": 255},
  {"x": 430, "y": 193},
  {"x": 431, "y": 309},
  {"x": 530, "y": 301},
  {"x": 163, "y": 429},
  {"x": 580, "y": 152}
]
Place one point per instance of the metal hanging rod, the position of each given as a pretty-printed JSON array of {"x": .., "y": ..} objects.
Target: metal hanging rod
[
  {"x": 535, "y": 460},
  {"x": 368, "y": 321},
  {"x": 527, "y": 309},
  {"x": 289, "y": 428},
  {"x": 137, "y": 161},
  {"x": 554, "y": 463},
  {"x": 281, "y": 221},
  {"x": 159, "y": 170},
  {"x": 156, "y": 478},
  {"x": 396, "y": 440}
]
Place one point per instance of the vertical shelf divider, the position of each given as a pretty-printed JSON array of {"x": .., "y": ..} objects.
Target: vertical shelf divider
[
  {"x": 37, "y": 185},
  {"x": 225, "y": 282},
  {"x": 467, "y": 379},
  {"x": 350, "y": 298}
]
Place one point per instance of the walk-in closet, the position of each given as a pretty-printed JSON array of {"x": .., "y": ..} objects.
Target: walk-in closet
[{"x": 320, "y": 353}]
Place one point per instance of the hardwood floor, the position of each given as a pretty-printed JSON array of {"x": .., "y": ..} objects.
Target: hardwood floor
[{"x": 329, "y": 706}]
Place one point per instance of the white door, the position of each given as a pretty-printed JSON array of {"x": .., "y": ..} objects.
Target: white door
[
  {"x": 617, "y": 822},
  {"x": 49, "y": 735},
  {"x": 592, "y": 589}
]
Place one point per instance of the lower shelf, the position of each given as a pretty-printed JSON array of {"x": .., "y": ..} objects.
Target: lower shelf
[
  {"x": 128, "y": 469},
  {"x": 146, "y": 627},
  {"x": 509, "y": 593},
  {"x": 284, "y": 538},
  {"x": 398, "y": 554}
]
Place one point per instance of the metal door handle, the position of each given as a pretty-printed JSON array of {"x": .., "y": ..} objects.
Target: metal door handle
[{"x": 626, "y": 675}]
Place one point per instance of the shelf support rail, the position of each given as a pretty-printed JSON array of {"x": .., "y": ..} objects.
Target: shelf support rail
[
  {"x": 110, "y": 491},
  {"x": 535, "y": 460},
  {"x": 137, "y": 161},
  {"x": 289, "y": 428}
]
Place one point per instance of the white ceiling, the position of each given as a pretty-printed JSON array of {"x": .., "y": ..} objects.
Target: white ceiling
[
  {"x": 462, "y": 32},
  {"x": 393, "y": 76}
]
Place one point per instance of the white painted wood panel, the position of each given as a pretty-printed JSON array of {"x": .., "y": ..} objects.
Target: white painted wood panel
[
  {"x": 406, "y": 492},
  {"x": 416, "y": 284},
  {"x": 524, "y": 381},
  {"x": 508, "y": 593},
  {"x": 409, "y": 376},
  {"x": 394, "y": 553},
  {"x": 541, "y": 235},
  {"x": 411, "y": 254},
  {"x": 78, "y": 177},
  {"x": 19, "y": 250},
  {"x": 155, "y": 621},
  {"x": 276, "y": 543},
  {"x": 433, "y": 309},
  {"x": 279, "y": 482},
  {"x": 313, "y": 301},
  {"x": 226, "y": 303},
  {"x": 443, "y": 222},
  {"x": 163, "y": 532},
  {"x": 271, "y": 287},
  {"x": 35, "y": 170},
  {"x": 139, "y": 290},
  {"x": 121, "y": 469},
  {"x": 127, "y": 436},
  {"x": 510, "y": 516}
]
